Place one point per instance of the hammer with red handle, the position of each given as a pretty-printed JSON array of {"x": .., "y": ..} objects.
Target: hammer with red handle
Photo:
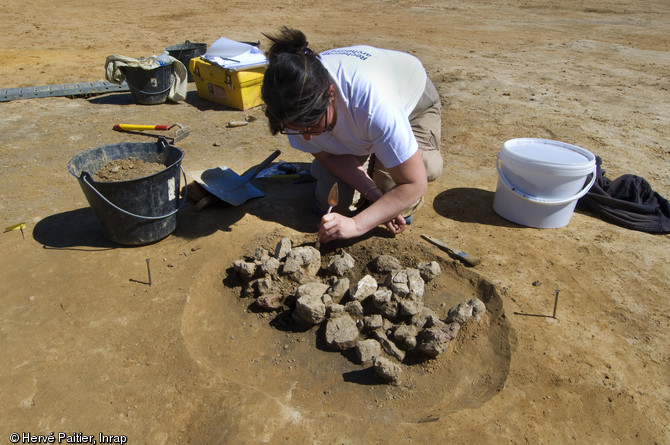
[
  {"x": 180, "y": 134},
  {"x": 132, "y": 127}
]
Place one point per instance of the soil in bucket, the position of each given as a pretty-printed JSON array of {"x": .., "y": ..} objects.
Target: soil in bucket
[
  {"x": 134, "y": 211},
  {"x": 149, "y": 86},
  {"x": 129, "y": 168}
]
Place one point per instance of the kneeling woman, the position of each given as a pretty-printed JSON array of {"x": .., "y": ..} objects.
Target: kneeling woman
[{"x": 370, "y": 117}]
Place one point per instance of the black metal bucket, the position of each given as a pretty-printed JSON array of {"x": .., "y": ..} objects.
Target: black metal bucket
[
  {"x": 149, "y": 86},
  {"x": 138, "y": 211},
  {"x": 186, "y": 51}
]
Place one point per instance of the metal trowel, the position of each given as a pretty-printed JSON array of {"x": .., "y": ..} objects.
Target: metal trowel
[
  {"x": 462, "y": 256},
  {"x": 230, "y": 187}
]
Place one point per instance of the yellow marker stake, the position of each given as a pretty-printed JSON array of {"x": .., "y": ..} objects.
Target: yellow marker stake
[{"x": 19, "y": 226}]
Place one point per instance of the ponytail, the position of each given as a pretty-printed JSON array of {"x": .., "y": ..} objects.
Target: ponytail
[
  {"x": 295, "y": 86},
  {"x": 287, "y": 41}
]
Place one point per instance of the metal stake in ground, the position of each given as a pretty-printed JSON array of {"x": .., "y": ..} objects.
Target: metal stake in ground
[
  {"x": 556, "y": 302},
  {"x": 149, "y": 271},
  {"x": 540, "y": 315}
]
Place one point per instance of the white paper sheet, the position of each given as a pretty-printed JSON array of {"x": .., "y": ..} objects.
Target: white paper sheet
[{"x": 234, "y": 55}]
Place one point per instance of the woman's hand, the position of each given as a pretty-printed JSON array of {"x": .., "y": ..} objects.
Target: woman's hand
[
  {"x": 410, "y": 185},
  {"x": 335, "y": 226},
  {"x": 397, "y": 225}
]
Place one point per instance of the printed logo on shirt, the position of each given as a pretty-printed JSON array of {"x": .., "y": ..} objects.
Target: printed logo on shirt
[{"x": 348, "y": 52}]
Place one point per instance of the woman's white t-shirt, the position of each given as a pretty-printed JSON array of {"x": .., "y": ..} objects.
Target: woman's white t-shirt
[{"x": 377, "y": 89}]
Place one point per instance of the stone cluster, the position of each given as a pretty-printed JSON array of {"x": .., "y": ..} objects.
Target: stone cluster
[{"x": 384, "y": 321}]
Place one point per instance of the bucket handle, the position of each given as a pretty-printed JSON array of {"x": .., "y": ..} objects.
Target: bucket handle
[
  {"x": 181, "y": 204},
  {"x": 155, "y": 93},
  {"x": 531, "y": 198}
]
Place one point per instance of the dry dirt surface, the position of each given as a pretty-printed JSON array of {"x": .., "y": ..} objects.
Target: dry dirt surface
[{"x": 89, "y": 347}]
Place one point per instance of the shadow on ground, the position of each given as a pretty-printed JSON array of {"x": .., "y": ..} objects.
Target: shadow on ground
[{"x": 469, "y": 205}]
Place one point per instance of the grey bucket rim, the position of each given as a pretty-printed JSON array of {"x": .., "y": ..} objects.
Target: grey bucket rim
[
  {"x": 161, "y": 140},
  {"x": 186, "y": 46}
]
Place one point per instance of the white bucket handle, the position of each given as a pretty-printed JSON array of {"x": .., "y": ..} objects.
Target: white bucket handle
[{"x": 531, "y": 198}]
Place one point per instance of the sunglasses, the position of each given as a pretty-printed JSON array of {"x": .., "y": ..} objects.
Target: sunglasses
[{"x": 307, "y": 130}]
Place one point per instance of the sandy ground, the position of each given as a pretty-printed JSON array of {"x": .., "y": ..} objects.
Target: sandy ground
[{"x": 89, "y": 347}]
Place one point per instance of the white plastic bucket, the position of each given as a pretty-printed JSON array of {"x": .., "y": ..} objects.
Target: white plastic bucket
[{"x": 540, "y": 181}]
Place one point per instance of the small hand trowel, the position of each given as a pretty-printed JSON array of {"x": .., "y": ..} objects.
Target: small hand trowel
[
  {"x": 333, "y": 197},
  {"x": 462, "y": 256}
]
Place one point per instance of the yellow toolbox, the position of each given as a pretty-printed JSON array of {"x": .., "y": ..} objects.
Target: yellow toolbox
[{"x": 235, "y": 88}]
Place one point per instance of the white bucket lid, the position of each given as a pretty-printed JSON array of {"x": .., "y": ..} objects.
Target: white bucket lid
[{"x": 545, "y": 153}]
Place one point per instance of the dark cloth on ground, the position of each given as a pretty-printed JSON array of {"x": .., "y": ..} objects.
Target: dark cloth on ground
[{"x": 627, "y": 201}]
